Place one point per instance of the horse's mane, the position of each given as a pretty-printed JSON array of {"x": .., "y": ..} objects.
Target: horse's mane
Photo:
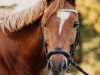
[
  {"x": 8, "y": 3},
  {"x": 54, "y": 6},
  {"x": 18, "y": 20}
]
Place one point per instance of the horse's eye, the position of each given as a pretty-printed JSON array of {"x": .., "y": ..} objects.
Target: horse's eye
[
  {"x": 76, "y": 24},
  {"x": 45, "y": 25}
]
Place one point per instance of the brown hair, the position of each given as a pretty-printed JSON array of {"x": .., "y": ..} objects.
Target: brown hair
[{"x": 54, "y": 6}]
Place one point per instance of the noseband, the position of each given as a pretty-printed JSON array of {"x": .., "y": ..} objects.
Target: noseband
[{"x": 69, "y": 56}]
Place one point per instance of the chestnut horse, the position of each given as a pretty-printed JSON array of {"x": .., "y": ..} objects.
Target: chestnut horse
[{"x": 24, "y": 51}]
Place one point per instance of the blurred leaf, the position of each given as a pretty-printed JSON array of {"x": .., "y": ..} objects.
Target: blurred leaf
[{"x": 90, "y": 11}]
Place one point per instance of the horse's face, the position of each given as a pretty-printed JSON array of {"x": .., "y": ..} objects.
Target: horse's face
[
  {"x": 60, "y": 31},
  {"x": 59, "y": 35}
]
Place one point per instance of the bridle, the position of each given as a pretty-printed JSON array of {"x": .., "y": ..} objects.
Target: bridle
[{"x": 69, "y": 56}]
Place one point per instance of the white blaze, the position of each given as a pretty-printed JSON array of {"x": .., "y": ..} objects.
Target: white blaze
[{"x": 63, "y": 15}]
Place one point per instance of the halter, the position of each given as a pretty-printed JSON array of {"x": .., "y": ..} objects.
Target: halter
[{"x": 69, "y": 56}]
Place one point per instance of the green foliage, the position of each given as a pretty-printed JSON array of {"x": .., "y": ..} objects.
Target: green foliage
[{"x": 90, "y": 11}]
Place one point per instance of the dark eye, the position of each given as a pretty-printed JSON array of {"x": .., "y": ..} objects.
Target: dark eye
[
  {"x": 45, "y": 25},
  {"x": 76, "y": 24}
]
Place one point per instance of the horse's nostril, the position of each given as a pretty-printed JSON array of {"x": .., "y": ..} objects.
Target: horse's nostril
[
  {"x": 50, "y": 65},
  {"x": 64, "y": 66},
  {"x": 55, "y": 70}
]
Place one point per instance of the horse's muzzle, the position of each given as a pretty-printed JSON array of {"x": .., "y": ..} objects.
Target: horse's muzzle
[{"x": 57, "y": 61}]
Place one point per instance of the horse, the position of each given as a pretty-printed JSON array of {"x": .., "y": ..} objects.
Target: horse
[
  {"x": 60, "y": 35},
  {"x": 39, "y": 46}
]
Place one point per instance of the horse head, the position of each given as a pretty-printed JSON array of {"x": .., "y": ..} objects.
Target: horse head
[{"x": 59, "y": 22}]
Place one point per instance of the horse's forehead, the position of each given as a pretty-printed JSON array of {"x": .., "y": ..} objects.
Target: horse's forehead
[{"x": 63, "y": 15}]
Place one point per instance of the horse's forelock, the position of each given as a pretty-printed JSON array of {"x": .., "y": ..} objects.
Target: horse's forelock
[
  {"x": 51, "y": 9},
  {"x": 49, "y": 1}
]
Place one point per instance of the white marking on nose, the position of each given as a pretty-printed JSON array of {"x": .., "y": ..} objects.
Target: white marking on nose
[{"x": 63, "y": 15}]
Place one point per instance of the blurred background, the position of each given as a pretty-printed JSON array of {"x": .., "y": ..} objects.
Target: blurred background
[{"x": 88, "y": 53}]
